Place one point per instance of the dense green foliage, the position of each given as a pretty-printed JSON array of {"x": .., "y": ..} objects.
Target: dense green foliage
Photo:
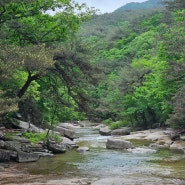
[
  {"x": 50, "y": 66},
  {"x": 42, "y": 71},
  {"x": 143, "y": 61},
  {"x": 40, "y": 137}
]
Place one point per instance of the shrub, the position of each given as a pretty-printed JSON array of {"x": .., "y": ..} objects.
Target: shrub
[
  {"x": 37, "y": 137},
  {"x": 117, "y": 124}
]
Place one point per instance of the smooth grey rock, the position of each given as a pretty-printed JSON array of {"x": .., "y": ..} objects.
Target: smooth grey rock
[
  {"x": 83, "y": 149},
  {"x": 182, "y": 137},
  {"x": 121, "y": 131},
  {"x": 69, "y": 133},
  {"x": 105, "y": 131},
  {"x": 69, "y": 143},
  {"x": 27, "y": 157},
  {"x": 32, "y": 148},
  {"x": 28, "y": 126},
  {"x": 113, "y": 143},
  {"x": 56, "y": 147}
]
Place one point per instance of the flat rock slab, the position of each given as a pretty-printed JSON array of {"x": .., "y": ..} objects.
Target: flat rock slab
[
  {"x": 114, "y": 143},
  {"x": 121, "y": 131},
  {"x": 27, "y": 157},
  {"x": 178, "y": 145},
  {"x": 105, "y": 131}
]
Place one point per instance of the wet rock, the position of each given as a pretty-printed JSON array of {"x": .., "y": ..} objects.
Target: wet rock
[
  {"x": 4, "y": 155},
  {"x": 75, "y": 124},
  {"x": 27, "y": 157},
  {"x": 178, "y": 145},
  {"x": 69, "y": 133},
  {"x": 56, "y": 147},
  {"x": 27, "y": 126},
  {"x": 105, "y": 131},
  {"x": 32, "y": 148},
  {"x": 114, "y": 143},
  {"x": 182, "y": 137},
  {"x": 121, "y": 131},
  {"x": 69, "y": 144},
  {"x": 83, "y": 149}
]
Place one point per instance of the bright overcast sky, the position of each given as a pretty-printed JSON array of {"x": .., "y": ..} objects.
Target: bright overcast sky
[{"x": 107, "y": 6}]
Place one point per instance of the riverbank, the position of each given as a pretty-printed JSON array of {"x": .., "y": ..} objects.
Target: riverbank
[
  {"x": 159, "y": 138},
  {"x": 98, "y": 166}
]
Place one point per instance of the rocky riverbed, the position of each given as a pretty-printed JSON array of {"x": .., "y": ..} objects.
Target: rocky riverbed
[{"x": 98, "y": 165}]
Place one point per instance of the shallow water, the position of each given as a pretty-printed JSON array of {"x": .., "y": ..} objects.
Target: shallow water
[{"x": 101, "y": 163}]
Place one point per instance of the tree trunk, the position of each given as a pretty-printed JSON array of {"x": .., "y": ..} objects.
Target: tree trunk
[{"x": 27, "y": 84}]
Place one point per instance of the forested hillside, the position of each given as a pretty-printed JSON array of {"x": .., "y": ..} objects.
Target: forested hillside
[
  {"x": 123, "y": 68},
  {"x": 44, "y": 73},
  {"x": 142, "y": 55}
]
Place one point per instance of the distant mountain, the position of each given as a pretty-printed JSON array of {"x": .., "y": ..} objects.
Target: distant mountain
[{"x": 139, "y": 6}]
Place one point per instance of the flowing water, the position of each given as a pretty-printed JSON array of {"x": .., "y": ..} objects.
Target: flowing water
[{"x": 103, "y": 166}]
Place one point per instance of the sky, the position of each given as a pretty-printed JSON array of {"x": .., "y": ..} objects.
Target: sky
[{"x": 107, "y": 6}]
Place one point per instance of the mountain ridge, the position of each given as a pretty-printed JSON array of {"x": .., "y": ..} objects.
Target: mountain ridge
[{"x": 142, "y": 5}]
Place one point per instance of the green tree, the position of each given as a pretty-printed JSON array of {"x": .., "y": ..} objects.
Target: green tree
[
  {"x": 33, "y": 40},
  {"x": 175, "y": 4}
]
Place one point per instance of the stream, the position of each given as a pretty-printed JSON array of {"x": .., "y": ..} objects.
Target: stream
[{"x": 100, "y": 166}]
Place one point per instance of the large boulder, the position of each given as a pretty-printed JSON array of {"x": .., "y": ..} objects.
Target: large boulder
[
  {"x": 16, "y": 151},
  {"x": 75, "y": 124},
  {"x": 56, "y": 147},
  {"x": 114, "y": 143},
  {"x": 121, "y": 131},
  {"x": 26, "y": 157},
  {"x": 83, "y": 149},
  {"x": 27, "y": 126},
  {"x": 69, "y": 133},
  {"x": 69, "y": 143},
  {"x": 105, "y": 131}
]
